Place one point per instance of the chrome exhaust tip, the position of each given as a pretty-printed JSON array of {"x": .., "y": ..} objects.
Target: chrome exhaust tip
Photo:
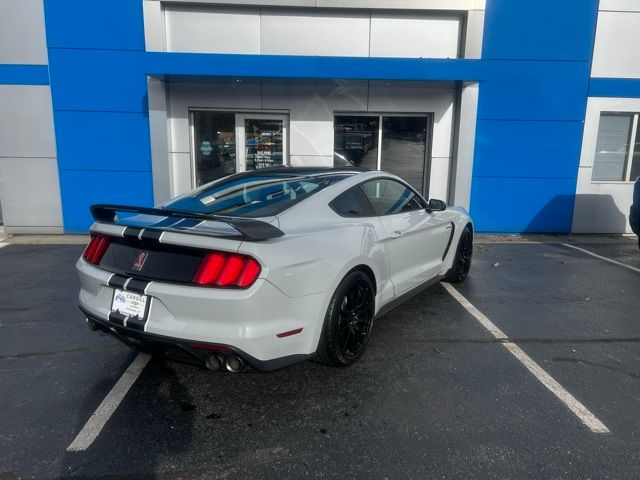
[
  {"x": 233, "y": 364},
  {"x": 213, "y": 362}
]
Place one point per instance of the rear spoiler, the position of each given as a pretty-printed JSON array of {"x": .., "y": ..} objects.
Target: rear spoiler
[{"x": 249, "y": 228}]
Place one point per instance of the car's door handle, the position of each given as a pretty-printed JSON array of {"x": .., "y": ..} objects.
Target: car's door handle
[{"x": 397, "y": 234}]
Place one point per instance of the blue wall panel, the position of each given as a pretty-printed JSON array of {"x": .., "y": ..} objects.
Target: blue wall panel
[
  {"x": 293, "y": 66},
  {"x": 99, "y": 93},
  {"x": 104, "y": 80},
  {"x": 540, "y": 29},
  {"x": 533, "y": 205},
  {"x": 526, "y": 162},
  {"x": 526, "y": 148},
  {"x": 115, "y": 24},
  {"x": 24, "y": 75},
  {"x": 528, "y": 90},
  {"x": 102, "y": 140},
  {"x": 615, "y": 87},
  {"x": 84, "y": 188}
]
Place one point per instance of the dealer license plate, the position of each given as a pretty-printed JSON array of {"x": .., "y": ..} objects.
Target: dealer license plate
[{"x": 129, "y": 304}]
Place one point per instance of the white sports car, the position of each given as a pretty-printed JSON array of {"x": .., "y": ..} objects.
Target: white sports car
[{"x": 269, "y": 267}]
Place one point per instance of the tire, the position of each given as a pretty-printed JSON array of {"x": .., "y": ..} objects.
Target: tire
[
  {"x": 348, "y": 321},
  {"x": 462, "y": 261}
]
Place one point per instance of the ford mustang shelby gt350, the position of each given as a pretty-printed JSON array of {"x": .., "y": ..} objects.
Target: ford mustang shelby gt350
[{"x": 269, "y": 267}]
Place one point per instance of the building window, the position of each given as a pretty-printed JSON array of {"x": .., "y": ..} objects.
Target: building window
[
  {"x": 228, "y": 142},
  {"x": 214, "y": 145},
  {"x": 397, "y": 144},
  {"x": 617, "y": 157}
]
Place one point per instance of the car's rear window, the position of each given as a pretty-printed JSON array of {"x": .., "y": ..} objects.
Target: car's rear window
[{"x": 255, "y": 195}]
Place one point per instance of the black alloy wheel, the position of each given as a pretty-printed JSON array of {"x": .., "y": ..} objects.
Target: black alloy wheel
[{"x": 348, "y": 321}]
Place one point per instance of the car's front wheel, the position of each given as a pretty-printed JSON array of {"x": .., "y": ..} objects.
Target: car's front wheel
[
  {"x": 348, "y": 321},
  {"x": 462, "y": 261}
]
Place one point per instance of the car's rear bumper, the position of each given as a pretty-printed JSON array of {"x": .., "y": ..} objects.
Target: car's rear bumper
[
  {"x": 189, "y": 351},
  {"x": 245, "y": 321}
]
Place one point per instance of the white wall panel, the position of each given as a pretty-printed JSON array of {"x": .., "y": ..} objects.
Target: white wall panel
[
  {"x": 182, "y": 174},
  {"x": 620, "y": 5},
  {"x": 310, "y": 32},
  {"x": 30, "y": 193},
  {"x": 601, "y": 207},
  {"x": 415, "y": 36},
  {"x": 439, "y": 182},
  {"x": 616, "y": 47},
  {"x": 311, "y": 160},
  {"x": 219, "y": 30},
  {"x": 22, "y": 32},
  {"x": 26, "y": 121},
  {"x": 466, "y": 140}
]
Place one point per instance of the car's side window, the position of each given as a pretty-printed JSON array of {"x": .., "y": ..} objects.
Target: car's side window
[
  {"x": 389, "y": 197},
  {"x": 352, "y": 203}
]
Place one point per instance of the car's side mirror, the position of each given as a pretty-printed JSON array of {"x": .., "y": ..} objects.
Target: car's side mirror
[{"x": 436, "y": 206}]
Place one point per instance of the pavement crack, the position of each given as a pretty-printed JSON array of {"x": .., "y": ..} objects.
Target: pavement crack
[
  {"x": 635, "y": 376},
  {"x": 55, "y": 352}
]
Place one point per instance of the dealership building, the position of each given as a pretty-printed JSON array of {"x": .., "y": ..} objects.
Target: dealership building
[{"x": 523, "y": 111}]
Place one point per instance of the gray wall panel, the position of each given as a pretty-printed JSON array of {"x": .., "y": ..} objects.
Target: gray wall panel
[
  {"x": 26, "y": 121},
  {"x": 30, "y": 193},
  {"x": 207, "y": 30},
  {"x": 312, "y": 32},
  {"x": 22, "y": 33}
]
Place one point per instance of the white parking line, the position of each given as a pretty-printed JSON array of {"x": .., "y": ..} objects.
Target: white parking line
[
  {"x": 97, "y": 421},
  {"x": 3, "y": 245},
  {"x": 580, "y": 411},
  {"x": 610, "y": 260}
]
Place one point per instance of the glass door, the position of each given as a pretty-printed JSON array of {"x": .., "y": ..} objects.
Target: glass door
[
  {"x": 262, "y": 139},
  {"x": 214, "y": 146},
  {"x": 404, "y": 150},
  {"x": 224, "y": 143}
]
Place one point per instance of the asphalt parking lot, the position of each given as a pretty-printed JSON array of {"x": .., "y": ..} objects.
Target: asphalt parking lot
[{"x": 436, "y": 395}]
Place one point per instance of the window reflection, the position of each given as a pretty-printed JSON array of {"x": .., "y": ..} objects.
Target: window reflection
[
  {"x": 404, "y": 148},
  {"x": 215, "y": 145},
  {"x": 356, "y": 141}
]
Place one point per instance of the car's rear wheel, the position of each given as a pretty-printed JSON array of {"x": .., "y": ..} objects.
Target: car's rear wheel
[
  {"x": 348, "y": 321},
  {"x": 462, "y": 262}
]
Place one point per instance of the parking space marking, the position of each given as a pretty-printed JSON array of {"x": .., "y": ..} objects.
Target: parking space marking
[
  {"x": 98, "y": 420},
  {"x": 573, "y": 404},
  {"x": 610, "y": 260}
]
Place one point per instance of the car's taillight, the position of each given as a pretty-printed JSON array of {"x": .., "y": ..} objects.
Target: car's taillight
[
  {"x": 227, "y": 270},
  {"x": 95, "y": 249}
]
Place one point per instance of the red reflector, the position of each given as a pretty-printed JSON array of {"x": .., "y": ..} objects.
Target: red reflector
[
  {"x": 96, "y": 249},
  {"x": 289, "y": 333},
  {"x": 249, "y": 273},
  {"x": 231, "y": 270},
  {"x": 209, "y": 269},
  {"x": 206, "y": 346}
]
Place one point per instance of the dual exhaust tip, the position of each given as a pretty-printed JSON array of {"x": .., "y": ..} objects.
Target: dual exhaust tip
[{"x": 232, "y": 363}]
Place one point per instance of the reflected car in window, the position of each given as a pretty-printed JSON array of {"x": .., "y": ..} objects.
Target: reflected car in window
[{"x": 269, "y": 267}]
